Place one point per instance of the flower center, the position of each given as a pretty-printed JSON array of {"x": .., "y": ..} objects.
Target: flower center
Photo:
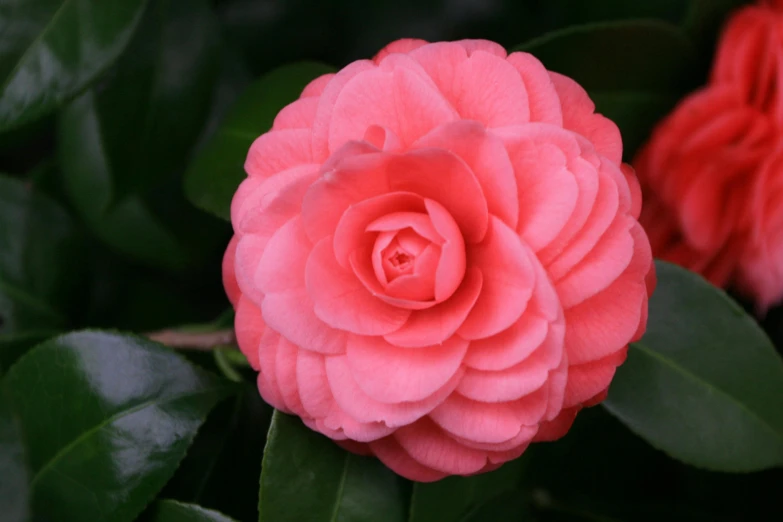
[
  {"x": 397, "y": 261},
  {"x": 400, "y": 260}
]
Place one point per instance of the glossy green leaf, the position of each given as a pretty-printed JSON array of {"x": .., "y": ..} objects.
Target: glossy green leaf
[
  {"x": 123, "y": 147},
  {"x": 704, "y": 384},
  {"x": 52, "y": 49},
  {"x": 158, "y": 98},
  {"x": 106, "y": 419},
  {"x": 634, "y": 70},
  {"x": 218, "y": 169},
  {"x": 129, "y": 226},
  {"x": 14, "y": 476},
  {"x": 40, "y": 268},
  {"x": 457, "y": 499},
  {"x": 339, "y": 486},
  {"x": 173, "y": 511}
]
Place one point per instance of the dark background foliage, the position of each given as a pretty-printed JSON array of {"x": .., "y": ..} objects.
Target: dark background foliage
[{"x": 113, "y": 188}]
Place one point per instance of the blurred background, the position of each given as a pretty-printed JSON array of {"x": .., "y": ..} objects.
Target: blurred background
[{"x": 111, "y": 221}]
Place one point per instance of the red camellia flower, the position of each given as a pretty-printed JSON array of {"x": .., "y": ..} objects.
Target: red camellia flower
[
  {"x": 711, "y": 172},
  {"x": 436, "y": 256}
]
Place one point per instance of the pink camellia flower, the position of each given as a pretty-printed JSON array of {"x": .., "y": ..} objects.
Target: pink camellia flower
[
  {"x": 698, "y": 173},
  {"x": 750, "y": 56},
  {"x": 712, "y": 171},
  {"x": 437, "y": 258}
]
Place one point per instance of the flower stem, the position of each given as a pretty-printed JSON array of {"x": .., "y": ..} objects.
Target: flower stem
[{"x": 203, "y": 341}]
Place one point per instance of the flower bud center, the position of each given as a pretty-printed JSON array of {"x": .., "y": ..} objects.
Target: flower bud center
[{"x": 397, "y": 261}]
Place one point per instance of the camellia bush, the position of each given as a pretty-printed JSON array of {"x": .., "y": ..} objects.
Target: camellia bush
[{"x": 448, "y": 261}]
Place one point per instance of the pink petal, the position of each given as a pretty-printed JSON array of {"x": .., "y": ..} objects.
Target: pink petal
[
  {"x": 600, "y": 218},
  {"x": 510, "y": 347},
  {"x": 389, "y": 451},
  {"x": 314, "y": 391},
  {"x": 579, "y": 116},
  {"x": 607, "y": 321},
  {"x": 441, "y": 61},
  {"x": 420, "y": 285},
  {"x": 326, "y": 102},
  {"x": 249, "y": 250},
  {"x": 543, "y": 99},
  {"x": 229, "y": 276},
  {"x": 297, "y": 115},
  {"x": 248, "y": 187},
  {"x": 558, "y": 380},
  {"x": 267, "y": 376},
  {"x": 319, "y": 403},
  {"x": 249, "y": 327},
  {"x": 382, "y": 138},
  {"x": 435, "y": 325},
  {"x": 477, "y": 421},
  {"x": 635, "y": 190},
  {"x": 452, "y": 262},
  {"x": 398, "y": 99},
  {"x": 515, "y": 382},
  {"x": 391, "y": 374},
  {"x": 600, "y": 267},
  {"x": 418, "y": 221},
  {"x": 489, "y": 90},
  {"x": 558, "y": 427},
  {"x": 547, "y": 190},
  {"x": 441, "y": 176},
  {"x": 585, "y": 381},
  {"x": 282, "y": 265},
  {"x": 357, "y": 177},
  {"x": 285, "y": 365},
  {"x": 342, "y": 301},
  {"x": 427, "y": 444},
  {"x": 351, "y": 232},
  {"x": 487, "y": 46},
  {"x": 589, "y": 216},
  {"x": 509, "y": 279},
  {"x": 358, "y": 405},
  {"x": 364, "y": 271},
  {"x": 497, "y": 450},
  {"x": 291, "y": 313},
  {"x": 317, "y": 86},
  {"x": 275, "y": 201},
  {"x": 403, "y": 45},
  {"x": 486, "y": 156},
  {"x": 359, "y": 448},
  {"x": 279, "y": 150}
]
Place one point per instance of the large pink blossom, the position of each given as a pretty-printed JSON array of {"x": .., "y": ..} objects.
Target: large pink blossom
[{"x": 437, "y": 258}]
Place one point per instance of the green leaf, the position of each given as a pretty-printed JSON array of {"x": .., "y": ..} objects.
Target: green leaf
[
  {"x": 704, "y": 384},
  {"x": 14, "y": 476},
  {"x": 52, "y": 49},
  {"x": 157, "y": 100},
  {"x": 218, "y": 169},
  {"x": 305, "y": 477},
  {"x": 40, "y": 266},
  {"x": 457, "y": 499},
  {"x": 123, "y": 147},
  {"x": 634, "y": 70},
  {"x": 173, "y": 511},
  {"x": 106, "y": 419}
]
